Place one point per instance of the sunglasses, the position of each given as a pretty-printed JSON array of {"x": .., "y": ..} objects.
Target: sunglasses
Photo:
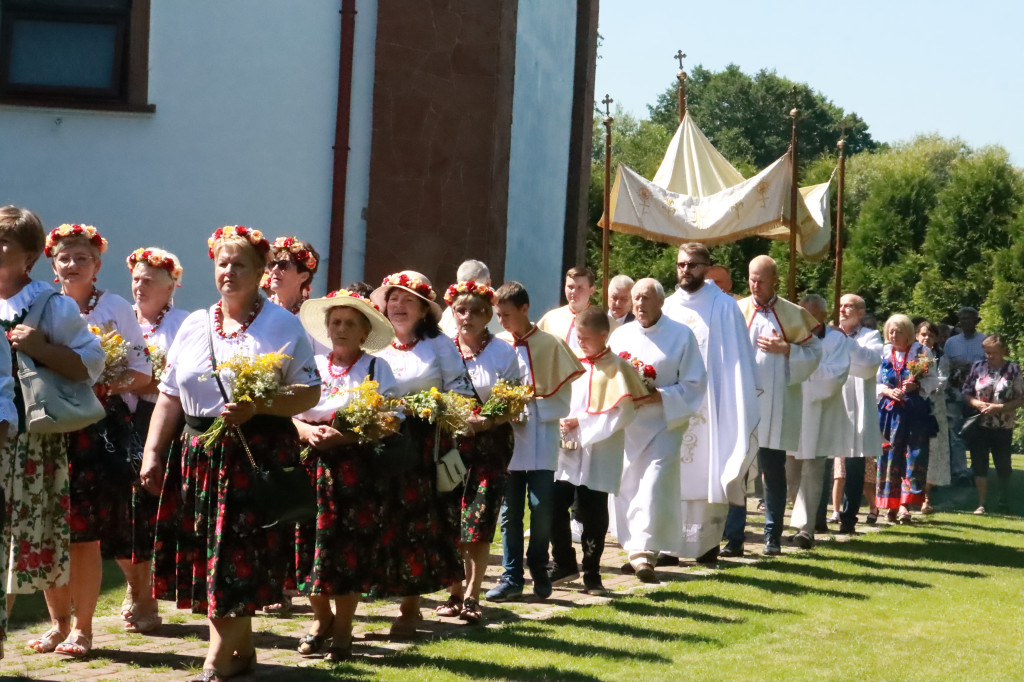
[
  {"x": 284, "y": 264},
  {"x": 685, "y": 265}
]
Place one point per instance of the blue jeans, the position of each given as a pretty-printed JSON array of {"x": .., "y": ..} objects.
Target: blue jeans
[
  {"x": 540, "y": 486},
  {"x": 773, "y": 467},
  {"x": 735, "y": 525},
  {"x": 957, "y": 447}
]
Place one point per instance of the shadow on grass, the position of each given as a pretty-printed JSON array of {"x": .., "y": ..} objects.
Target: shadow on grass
[
  {"x": 940, "y": 549},
  {"x": 656, "y": 609},
  {"x": 150, "y": 659},
  {"x": 879, "y": 566},
  {"x": 711, "y": 600},
  {"x": 823, "y": 573},
  {"x": 942, "y": 523},
  {"x": 634, "y": 631},
  {"x": 479, "y": 670},
  {"x": 785, "y": 587}
]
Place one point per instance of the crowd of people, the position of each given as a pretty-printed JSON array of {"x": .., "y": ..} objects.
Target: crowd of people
[{"x": 651, "y": 422}]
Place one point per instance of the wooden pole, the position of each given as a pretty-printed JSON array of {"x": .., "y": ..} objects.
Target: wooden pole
[
  {"x": 681, "y": 77},
  {"x": 607, "y": 101},
  {"x": 839, "y": 228},
  {"x": 795, "y": 115}
]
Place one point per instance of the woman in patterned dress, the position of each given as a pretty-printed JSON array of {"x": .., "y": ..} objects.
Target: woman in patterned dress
[
  {"x": 223, "y": 562},
  {"x": 335, "y": 559},
  {"x": 904, "y": 417},
  {"x": 100, "y": 476},
  {"x": 155, "y": 273},
  {"x": 488, "y": 452},
  {"x": 419, "y": 553}
]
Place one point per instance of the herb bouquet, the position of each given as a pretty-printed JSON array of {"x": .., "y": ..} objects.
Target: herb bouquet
[{"x": 252, "y": 377}]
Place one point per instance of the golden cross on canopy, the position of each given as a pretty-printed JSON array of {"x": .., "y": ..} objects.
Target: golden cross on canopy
[
  {"x": 680, "y": 56},
  {"x": 607, "y": 101}
]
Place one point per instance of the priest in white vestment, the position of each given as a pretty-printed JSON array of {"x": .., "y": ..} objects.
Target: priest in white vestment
[
  {"x": 580, "y": 285},
  {"x": 824, "y": 423},
  {"x": 665, "y": 352},
  {"x": 865, "y": 437},
  {"x": 786, "y": 352},
  {"x": 721, "y": 441}
]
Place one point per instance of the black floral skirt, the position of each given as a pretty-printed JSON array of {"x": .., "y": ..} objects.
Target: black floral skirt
[{"x": 486, "y": 458}]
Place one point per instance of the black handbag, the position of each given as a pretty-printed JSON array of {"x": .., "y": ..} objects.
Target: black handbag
[
  {"x": 970, "y": 425},
  {"x": 283, "y": 495},
  {"x": 396, "y": 454},
  {"x": 122, "y": 443}
]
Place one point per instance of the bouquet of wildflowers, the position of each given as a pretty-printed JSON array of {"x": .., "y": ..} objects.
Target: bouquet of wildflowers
[
  {"x": 251, "y": 378},
  {"x": 646, "y": 372},
  {"x": 508, "y": 399},
  {"x": 450, "y": 411},
  {"x": 919, "y": 367},
  {"x": 368, "y": 414},
  {"x": 157, "y": 358},
  {"x": 115, "y": 357}
]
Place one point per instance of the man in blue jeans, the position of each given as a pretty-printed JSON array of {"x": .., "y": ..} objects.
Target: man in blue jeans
[{"x": 549, "y": 366}]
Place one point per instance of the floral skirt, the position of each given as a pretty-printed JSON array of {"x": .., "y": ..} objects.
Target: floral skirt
[
  {"x": 487, "y": 459},
  {"x": 134, "y": 528},
  {"x": 335, "y": 553},
  {"x": 902, "y": 468},
  {"x": 417, "y": 552},
  {"x": 210, "y": 553},
  {"x": 36, "y": 536}
]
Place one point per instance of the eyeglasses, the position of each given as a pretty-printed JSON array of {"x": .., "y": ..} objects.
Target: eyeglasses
[
  {"x": 284, "y": 264},
  {"x": 690, "y": 265},
  {"x": 67, "y": 259}
]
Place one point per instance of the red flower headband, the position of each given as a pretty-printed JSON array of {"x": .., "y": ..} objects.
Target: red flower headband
[
  {"x": 470, "y": 287},
  {"x": 158, "y": 258},
  {"x": 65, "y": 230},
  {"x": 293, "y": 246},
  {"x": 255, "y": 237},
  {"x": 414, "y": 284},
  {"x": 340, "y": 293}
]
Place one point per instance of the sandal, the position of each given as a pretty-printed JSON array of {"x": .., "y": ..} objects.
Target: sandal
[
  {"x": 471, "y": 611},
  {"x": 48, "y": 642},
  {"x": 404, "y": 627},
  {"x": 872, "y": 518},
  {"x": 208, "y": 675},
  {"x": 283, "y": 608},
  {"x": 336, "y": 654},
  {"x": 927, "y": 508},
  {"x": 76, "y": 646},
  {"x": 904, "y": 518},
  {"x": 451, "y": 608},
  {"x": 311, "y": 644},
  {"x": 144, "y": 623},
  {"x": 128, "y": 605}
]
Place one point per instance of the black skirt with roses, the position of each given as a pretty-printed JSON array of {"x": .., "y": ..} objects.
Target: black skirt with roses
[{"x": 486, "y": 457}]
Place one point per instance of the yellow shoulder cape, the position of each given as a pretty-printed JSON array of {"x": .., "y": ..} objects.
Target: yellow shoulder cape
[
  {"x": 552, "y": 363},
  {"x": 796, "y": 323},
  {"x": 614, "y": 382}
]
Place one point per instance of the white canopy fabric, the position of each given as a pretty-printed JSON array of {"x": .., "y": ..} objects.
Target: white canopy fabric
[{"x": 697, "y": 195}]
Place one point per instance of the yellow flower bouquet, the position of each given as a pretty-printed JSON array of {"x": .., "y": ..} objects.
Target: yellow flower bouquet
[
  {"x": 508, "y": 399},
  {"x": 158, "y": 359},
  {"x": 115, "y": 357},
  {"x": 251, "y": 378},
  {"x": 450, "y": 411},
  {"x": 369, "y": 415}
]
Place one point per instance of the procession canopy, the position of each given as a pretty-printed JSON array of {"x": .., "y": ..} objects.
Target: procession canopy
[{"x": 698, "y": 196}]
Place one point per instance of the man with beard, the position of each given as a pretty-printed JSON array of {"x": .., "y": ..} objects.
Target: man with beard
[{"x": 721, "y": 441}]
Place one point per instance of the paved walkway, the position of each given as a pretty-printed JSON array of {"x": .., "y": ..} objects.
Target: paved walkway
[{"x": 177, "y": 649}]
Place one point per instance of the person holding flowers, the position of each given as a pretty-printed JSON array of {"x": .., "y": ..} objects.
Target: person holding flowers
[
  {"x": 494, "y": 370},
  {"x": 99, "y": 456},
  {"x": 155, "y": 273},
  {"x": 905, "y": 377},
  {"x": 418, "y": 554},
  {"x": 334, "y": 552},
  {"x": 221, "y": 560}
]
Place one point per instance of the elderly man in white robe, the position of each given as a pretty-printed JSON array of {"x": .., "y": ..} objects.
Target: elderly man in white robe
[
  {"x": 824, "y": 423},
  {"x": 721, "y": 441},
  {"x": 786, "y": 352},
  {"x": 665, "y": 353},
  {"x": 864, "y": 440}
]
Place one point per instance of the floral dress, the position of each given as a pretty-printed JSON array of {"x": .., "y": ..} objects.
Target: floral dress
[
  {"x": 211, "y": 554},
  {"x": 34, "y": 467},
  {"x": 335, "y": 553},
  {"x": 906, "y": 428}
]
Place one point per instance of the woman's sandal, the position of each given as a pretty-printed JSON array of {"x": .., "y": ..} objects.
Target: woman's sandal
[
  {"x": 471, "y": 612},
  {"x": 451, "y": 608},
  {"x": 48, "y": 642},
  {"x": 283, "y": 608},
  {"x": 76, "y": 646},
  {"x": 904, "y": 518},
  {"x": 339, "y": 653},
  {"x": 311, "y": 644},
  {"x": 144, "y": 623},
  {"x": 404, "y": 627},
  {"x": 128, "y": 605}
]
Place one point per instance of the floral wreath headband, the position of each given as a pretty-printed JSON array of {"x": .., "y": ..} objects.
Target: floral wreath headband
[
  {"x": 412, "y": 283},
  {"x": 254, "y": 237},
  {"x": 470, "y": 287},
  {"x": 66, "y": 230},
  {"x": 293, "y": 246},
  {"x": 158, "y": 258},
  {"x": 343, "y": 293}
]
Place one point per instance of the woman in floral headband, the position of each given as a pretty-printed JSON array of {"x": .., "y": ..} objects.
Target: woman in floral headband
[
  {"x": 423, "y": 557},
  {"x": 34, "y": 467},
  {"x": 101, "y": 479},
  {"x": 488, "y": 360},
  {"x": 293, "y": 263},
  {"x": 155, "y": 273},
  {"x": 221, "y": 561}
]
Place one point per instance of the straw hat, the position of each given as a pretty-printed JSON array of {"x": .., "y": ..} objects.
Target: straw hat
[
  {"x": 414, "y": 282},
  {"x": 312, "y": 313}
]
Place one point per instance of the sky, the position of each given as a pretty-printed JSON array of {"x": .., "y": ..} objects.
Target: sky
[{"x": 906, "y": 67}]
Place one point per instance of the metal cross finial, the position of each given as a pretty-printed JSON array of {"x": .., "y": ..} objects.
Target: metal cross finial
[
  {"x": 607, "y": 101},
  {"x": 680, "y": 56}
]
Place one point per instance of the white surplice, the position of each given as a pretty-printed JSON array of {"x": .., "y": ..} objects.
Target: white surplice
[
  {"x": 780, "y": 378},
  {"x": 864, "y": 438},
  {"x": 646, "y": 509},
  {"x": 721, "y": 440}
]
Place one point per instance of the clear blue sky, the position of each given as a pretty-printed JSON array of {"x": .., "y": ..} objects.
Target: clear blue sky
[{"x": 905, "y": 66}]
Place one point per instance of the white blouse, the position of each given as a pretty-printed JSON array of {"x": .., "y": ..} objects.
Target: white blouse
[
  {"x": 113, "y": 313},
  {"x": 431, "y": 363},
  {"x": 496, "y": 362},
  {"x": 335, "y": 392},
  {"x": 188, "y": 375},
  {"x": 161, "y": 337}
]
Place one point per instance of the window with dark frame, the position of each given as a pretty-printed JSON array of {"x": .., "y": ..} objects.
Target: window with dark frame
[{"x": 89, "y": 54}]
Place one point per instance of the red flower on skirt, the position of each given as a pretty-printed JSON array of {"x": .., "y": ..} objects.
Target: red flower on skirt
[{"x": 30, "y": 467}]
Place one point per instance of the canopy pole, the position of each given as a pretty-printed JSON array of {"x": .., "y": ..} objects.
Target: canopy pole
[
  {"x": 681, "y": 77},
  {"x": 795, "y": 115},
  {"x": 839, "y": 227},
  {"x": 607, "y": 101}
]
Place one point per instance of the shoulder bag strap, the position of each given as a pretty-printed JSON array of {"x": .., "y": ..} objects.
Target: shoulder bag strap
[
  {"x": 35, "y": 311},
  {"x": 224, "y": 393},
  {"x": 373, "y": 363}
]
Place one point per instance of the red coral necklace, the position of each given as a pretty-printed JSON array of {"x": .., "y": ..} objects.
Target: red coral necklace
[
  {"x": 218, "y": 319},
  {"x": 156, "y": 323},
  {"x": 343, "y": 370}
]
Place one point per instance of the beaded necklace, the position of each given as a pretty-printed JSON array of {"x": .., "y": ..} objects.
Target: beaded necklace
[
  {"x": 218, "y": 319},
  {"x": 404, "y": 346},
  {"x": 483, "y": 345},
  {"x": 94, "y": 298},
  {"x": 344, "y": 370},
  {"x": 294, "y": 310},
  {"x": 156, "y": 323}
]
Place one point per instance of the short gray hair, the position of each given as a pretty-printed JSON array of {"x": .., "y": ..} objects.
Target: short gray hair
[
  {"x": 815, "y": 300},
  {"x": 621, "y": 282},
  {"x": 473, "y": 271},
  {"x": 653, "y": 283}
]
